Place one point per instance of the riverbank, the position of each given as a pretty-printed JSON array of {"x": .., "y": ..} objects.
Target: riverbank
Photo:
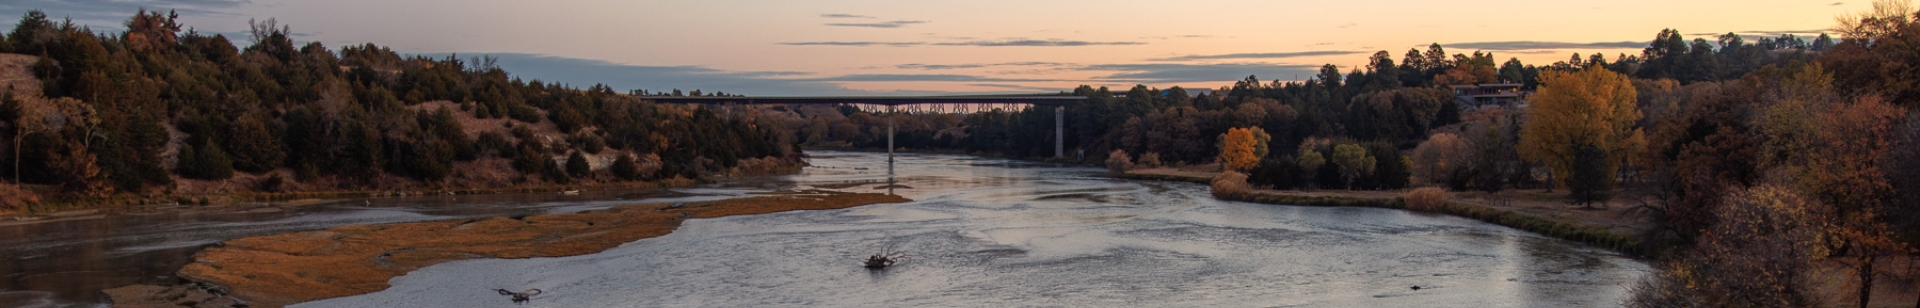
[
  {"x": 278, "y": 270},
  {"x": 1534, "y": 211},
  {"x": 97, "y": 207}
]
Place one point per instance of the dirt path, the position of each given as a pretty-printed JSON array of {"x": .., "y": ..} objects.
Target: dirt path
[{"x": 279, "y": 270}]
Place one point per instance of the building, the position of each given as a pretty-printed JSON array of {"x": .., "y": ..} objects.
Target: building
[{"x": 1492, "y": 95}]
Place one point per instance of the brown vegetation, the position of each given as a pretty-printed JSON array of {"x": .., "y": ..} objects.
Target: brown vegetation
[
  {"x": 277, "y": 270},
  {"x": 1426, "y": 198}
]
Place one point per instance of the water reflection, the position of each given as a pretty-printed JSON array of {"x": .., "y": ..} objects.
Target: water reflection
[
  {"x": 68, "y": 263},
  {"x": 988, "y": 232}
]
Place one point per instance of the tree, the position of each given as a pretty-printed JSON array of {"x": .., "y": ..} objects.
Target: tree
[
  {"x": 1437, "y": 158},
  {"x": 1354, "y": 162},
  {"x": 205, "y": 162},
  {"x": 1587, "y": 182},
  {"x": 625, "y": 168},
  {"x": 1761, "y": 255},
  {"x": 256, "y": 149},
  {"x": 1592, "y": 107},
  {"x": 1237, "y": 151},
  {"x": 577, "y": 165},
  {"x": 1118, "y": 162}
]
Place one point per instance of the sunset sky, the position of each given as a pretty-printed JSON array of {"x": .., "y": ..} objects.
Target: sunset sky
[{"x": 874, "y": 47}]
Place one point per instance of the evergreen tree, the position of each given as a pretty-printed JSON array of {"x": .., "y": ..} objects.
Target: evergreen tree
[
  {"x": 577, "y": 165},
  {"x": 625, "y": 168}
]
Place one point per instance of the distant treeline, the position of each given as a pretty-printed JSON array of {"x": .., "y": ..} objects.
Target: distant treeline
[
  {"x": 134, "y": 111},
  {"x": 1758, "y": 163}
]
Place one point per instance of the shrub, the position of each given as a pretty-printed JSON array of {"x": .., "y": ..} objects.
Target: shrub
[
  {"x": 1426, "y": 199},
  {"x": 1230, "y": 183},
  {"x": 1149, "y": 160},
  {"x": 577, "y": 165},
  {"x": 1118, "y": 162},
  {"x": 625, "y": 168}
]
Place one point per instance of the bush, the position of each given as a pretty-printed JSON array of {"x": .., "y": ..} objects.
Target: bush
[
  {"x": 1149, "y": 160},
  {"x": 577, "y": 165},
  {"x": 1276, "y": 174},
  {"x": 1427, "y": 199},
  {"x": 624, "y": 168},
  {"x": 1230, "y": 183},
  {"x": 1118, "y": 162}
]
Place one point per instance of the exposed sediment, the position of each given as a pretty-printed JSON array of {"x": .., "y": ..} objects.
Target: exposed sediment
[{"x": 278, "y": 270}]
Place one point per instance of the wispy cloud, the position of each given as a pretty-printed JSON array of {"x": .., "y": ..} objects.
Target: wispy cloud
[
  {"x": 584, "y": 72},
  {"x": 1264, "y": 55},
  {"x": 1526, "y": 45},
  {"x": 854, "y": 44},
  {"x": 109, "y": 14},
  {"x": 916, "y": 66},
  {"x": 1006, "y": 43},
  {"x": 1814, "y": 32},
  {"x": 844, "y": 16},
  {"x": 1036, "y": 43},
  {"x": 919, "y": 78},
  {"x": 883, "y": 25},
  {"x": 1173, "y": 73}
]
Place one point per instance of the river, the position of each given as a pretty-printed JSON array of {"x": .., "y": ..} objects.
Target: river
[{"x": 982, "y": 232}]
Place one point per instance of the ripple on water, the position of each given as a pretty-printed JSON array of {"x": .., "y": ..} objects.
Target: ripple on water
[{"x": 992, "y": 233}]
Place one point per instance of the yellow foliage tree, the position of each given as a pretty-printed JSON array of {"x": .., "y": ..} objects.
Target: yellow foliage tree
[
  {"x": 1237, "y": 150},
  {"x": 1592, "y": 107}
]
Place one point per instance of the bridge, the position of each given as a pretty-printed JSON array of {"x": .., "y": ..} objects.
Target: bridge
[{"x": 931, "y": 103}]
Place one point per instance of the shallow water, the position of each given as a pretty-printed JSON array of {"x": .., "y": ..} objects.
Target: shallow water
[
  {"x": 68, "y": 263},
  {"x": 998, "y": 233}
]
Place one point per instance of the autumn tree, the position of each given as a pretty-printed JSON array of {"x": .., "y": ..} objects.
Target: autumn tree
[
  {"x": 1588, "y": 107},
  {"x": 1237, "y": 150},
  {"x": 1118, "y": 162},
  {"x": 1437, "y": 158},
  {"x": 1760, "y": 255}
]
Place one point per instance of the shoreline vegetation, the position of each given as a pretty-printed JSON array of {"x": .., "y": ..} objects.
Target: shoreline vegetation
[
  {"x": 284, "y": 269},
  {"x": 1606, "y": 229}
]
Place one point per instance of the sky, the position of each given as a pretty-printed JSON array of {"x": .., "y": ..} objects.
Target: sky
[{"x": 892, "y": 47}]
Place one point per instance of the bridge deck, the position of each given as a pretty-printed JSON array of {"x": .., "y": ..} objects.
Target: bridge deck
[{"x": 1037, "y": 100}]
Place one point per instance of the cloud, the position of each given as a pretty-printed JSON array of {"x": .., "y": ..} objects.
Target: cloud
[
  {"x": 854, "y": 44},
  {"x": 974, "y": 65},
  {"x": 883, "y": 25},
  {"x": 844, "y": 16},
  {"x": 1006, "y": 43},
  {"x": 1172, "y": 73},
  {"x": 1036, "y": 43},
  {"x": 110, "y": 14},
  {"x": 1766, "y": 33},
  {"x": 586, "y": 72},
  {"x": 1526, "y": 45},
  {"x": 1267, "y": 55},
  {"x": 919, "y": 78}
]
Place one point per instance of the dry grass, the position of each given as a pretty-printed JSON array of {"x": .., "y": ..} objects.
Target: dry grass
[
  {"x": 16, "y": 75},
  {"x": 1427, "y": 199},
  {"x": 1231, "y": 183},
  {"x": 278, "y": 270},
  {"x": 14, "y": 198}
]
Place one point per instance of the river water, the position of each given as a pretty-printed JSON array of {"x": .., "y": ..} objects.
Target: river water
[{"x": 982, "y": 232}]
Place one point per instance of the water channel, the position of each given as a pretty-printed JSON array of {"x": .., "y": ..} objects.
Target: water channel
[{"x": 982, "y": 232}]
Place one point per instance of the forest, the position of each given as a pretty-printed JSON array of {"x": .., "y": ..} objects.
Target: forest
[
  {"x": 158, "y": 111},
  {"x": 1757, "y": 161}
]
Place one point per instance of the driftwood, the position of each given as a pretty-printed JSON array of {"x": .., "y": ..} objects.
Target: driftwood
[
  {"x": 521, "y": 297},
  {"x": 885, "y": 258}
]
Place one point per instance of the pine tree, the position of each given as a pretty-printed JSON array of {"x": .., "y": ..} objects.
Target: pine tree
[
  {"x": 625, "y": 168},
  {"x": 577, "y": 165}
]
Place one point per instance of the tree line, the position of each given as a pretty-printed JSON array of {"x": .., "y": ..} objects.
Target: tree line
[
  {"x": 137, "y": 111},
  {"x": 1755, "y": 160}
]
